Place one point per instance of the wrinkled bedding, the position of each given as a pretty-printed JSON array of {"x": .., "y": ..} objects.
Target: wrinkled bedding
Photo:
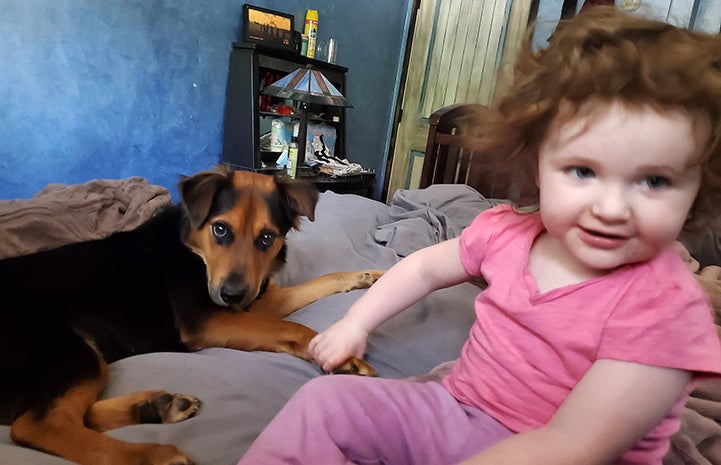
[
  {"x": 424, "y": 217},
  {"x": 60, "y": 214},
  {"x": 242, "y": 391}
]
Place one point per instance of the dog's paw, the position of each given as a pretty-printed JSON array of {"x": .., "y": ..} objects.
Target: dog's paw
[
  {"x": 364, "y": 279},
  {"x": 371, "y": 276},
  {"x": 169, "y": 408},
  {"x": 355, "y": 366}
]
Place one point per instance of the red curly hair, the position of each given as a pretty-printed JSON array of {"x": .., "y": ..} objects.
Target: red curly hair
[{"x": 606, "y": 55}]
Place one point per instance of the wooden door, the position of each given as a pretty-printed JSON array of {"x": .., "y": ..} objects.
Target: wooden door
[{"x": 457, "y": 49}]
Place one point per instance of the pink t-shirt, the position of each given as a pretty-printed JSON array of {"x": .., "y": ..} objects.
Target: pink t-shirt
[{"x": 527, "y": 350}]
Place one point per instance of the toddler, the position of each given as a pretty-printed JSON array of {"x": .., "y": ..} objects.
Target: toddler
[{"x": 591, "y": 330}]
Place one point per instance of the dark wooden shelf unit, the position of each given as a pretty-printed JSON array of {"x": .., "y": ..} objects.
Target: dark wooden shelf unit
[{"x": 249, "y": 64}]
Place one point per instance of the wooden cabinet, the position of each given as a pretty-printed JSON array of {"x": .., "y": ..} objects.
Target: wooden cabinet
[{"x": 247, "y": 112}]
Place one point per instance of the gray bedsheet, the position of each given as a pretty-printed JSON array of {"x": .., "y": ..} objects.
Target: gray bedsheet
[{"x": 242, "y": 391}]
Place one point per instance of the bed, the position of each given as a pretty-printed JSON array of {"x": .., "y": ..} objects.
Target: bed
[{"x": 242, "y": 391}]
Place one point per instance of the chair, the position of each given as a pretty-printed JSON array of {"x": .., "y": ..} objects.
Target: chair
[{"x": 452, "y": 156}]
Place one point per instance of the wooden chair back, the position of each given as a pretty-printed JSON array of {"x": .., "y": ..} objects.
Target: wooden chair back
[{"x": 451, "y": 155}]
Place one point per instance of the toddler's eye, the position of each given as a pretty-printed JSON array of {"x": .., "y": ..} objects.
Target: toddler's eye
[
  {"x": 657, "y": 182},
  {"x": 581, "y": 172}
]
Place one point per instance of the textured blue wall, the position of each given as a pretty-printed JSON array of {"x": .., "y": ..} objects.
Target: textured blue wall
[{"x": 117, "y": 88}]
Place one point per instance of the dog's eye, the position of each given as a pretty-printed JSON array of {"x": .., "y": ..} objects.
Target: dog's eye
[
  {"x": 220, "y": 230},
  {"x": 265, "y": 240}
]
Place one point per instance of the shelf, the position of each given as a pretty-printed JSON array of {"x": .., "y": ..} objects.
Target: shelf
[
  {"x": 269, "y": 114},
  {"x": 252, "y": 67},
  {"x": 276, "y": 58}
]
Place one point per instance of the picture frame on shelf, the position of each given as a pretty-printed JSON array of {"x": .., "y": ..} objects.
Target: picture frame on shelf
[{"x": 269, "y": 28}]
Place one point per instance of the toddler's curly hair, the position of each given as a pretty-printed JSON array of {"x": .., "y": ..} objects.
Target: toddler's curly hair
[{"x": 606, "y": 55}]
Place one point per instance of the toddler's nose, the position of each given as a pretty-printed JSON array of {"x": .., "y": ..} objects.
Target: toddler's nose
[{"x": 612, "y": 205}]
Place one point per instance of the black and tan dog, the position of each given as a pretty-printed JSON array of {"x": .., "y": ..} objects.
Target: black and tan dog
[{"x": 197, "y": 274}]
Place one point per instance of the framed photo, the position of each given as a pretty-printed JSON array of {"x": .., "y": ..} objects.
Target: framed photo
[{"x": 267, "y": 27}]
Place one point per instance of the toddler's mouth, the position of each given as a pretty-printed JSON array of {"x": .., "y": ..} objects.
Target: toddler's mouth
[
  {"x": 604, "y": 237},
  {"x": 604, "y": 234}
]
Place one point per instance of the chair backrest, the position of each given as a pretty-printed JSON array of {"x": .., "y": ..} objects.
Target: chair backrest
[{"x": 451, "y": 156}]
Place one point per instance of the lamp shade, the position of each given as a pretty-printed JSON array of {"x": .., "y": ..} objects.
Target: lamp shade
[{"x": 307, "y": 85}]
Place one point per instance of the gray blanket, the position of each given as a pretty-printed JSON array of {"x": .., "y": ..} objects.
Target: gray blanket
[
  {"x": 420, "y": 218},
  {"x": 242, "y": 391}
]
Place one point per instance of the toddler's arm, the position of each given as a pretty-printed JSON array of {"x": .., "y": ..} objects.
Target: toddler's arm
[
  {"x": 612, "y": 407},
  {"x": 408, "y": 281}
]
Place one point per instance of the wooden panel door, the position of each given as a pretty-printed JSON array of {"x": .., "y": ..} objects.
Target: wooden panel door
[{"x": 457, "y": 49}]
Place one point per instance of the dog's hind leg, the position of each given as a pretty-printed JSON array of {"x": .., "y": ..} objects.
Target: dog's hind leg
[
  {"x": 141, "y": 407},
  {"x": 61, "y": 431}
]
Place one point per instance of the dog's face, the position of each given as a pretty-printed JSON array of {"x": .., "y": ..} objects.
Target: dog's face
[{"x": 238, "y": 223}]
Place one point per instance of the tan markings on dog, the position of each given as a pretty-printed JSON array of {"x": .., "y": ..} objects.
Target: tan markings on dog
[
  {"x": 62, "y": 432},
  {"x": 241, "y": 264},
  {"x": 242, "y": 260},
  {"x": 282, "y": 301},
  {"x": 253, "y": 331},
  {"x": 128, "y": 410},
  {"x": 261, "y": 327}
]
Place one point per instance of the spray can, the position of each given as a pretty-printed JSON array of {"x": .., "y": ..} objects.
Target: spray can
[{"x": 311, "y": 30}]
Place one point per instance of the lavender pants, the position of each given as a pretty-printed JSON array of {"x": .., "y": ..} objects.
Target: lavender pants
[{"x": 344, "y": 419}]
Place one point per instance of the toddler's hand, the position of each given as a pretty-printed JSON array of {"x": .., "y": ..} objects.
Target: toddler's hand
[{"x": 337, "y": 343}]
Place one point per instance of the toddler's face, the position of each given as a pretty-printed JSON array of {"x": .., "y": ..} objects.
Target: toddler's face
[{"x": 616, "y": 185}]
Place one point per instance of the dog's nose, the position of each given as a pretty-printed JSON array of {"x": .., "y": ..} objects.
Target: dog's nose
[{"x": 232, "y": 294}]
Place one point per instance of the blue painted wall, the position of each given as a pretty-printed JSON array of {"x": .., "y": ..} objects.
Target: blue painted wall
[{"x": 117, "y": 88}]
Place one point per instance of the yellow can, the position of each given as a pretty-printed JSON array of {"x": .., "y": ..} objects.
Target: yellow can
[{"x": 311, "y": 30}]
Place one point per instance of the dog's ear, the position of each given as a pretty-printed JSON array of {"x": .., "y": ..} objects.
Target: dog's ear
[
  {"x": 199, "y": 191},
  {"x": 301, "y": 196}
]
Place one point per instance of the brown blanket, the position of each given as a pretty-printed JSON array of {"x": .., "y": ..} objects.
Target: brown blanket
[
  {"x": 61, "y": 214},
  {"x": 698, "y": 442}
]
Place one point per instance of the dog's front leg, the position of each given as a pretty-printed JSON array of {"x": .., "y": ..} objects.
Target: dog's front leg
[
  {"x": 251, "y": 331},
  {"x": 282, "y": 301}
]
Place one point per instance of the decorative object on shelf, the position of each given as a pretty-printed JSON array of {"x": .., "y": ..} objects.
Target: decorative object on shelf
[
  {"x": 277, "y": 137},
  {"x": 332, "y": 50},
  {"x": 327, "y": 50},
  {"x": 268, "y": 27},
  {"x": 321, "y": 138},
  {"x": 306, "y": 86}
]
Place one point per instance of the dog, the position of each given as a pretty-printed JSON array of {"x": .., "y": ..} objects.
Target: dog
[{"x": 197, "y": 274}]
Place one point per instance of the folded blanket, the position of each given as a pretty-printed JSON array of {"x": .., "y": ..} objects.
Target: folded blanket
[{"x": 61, "y": 214}]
